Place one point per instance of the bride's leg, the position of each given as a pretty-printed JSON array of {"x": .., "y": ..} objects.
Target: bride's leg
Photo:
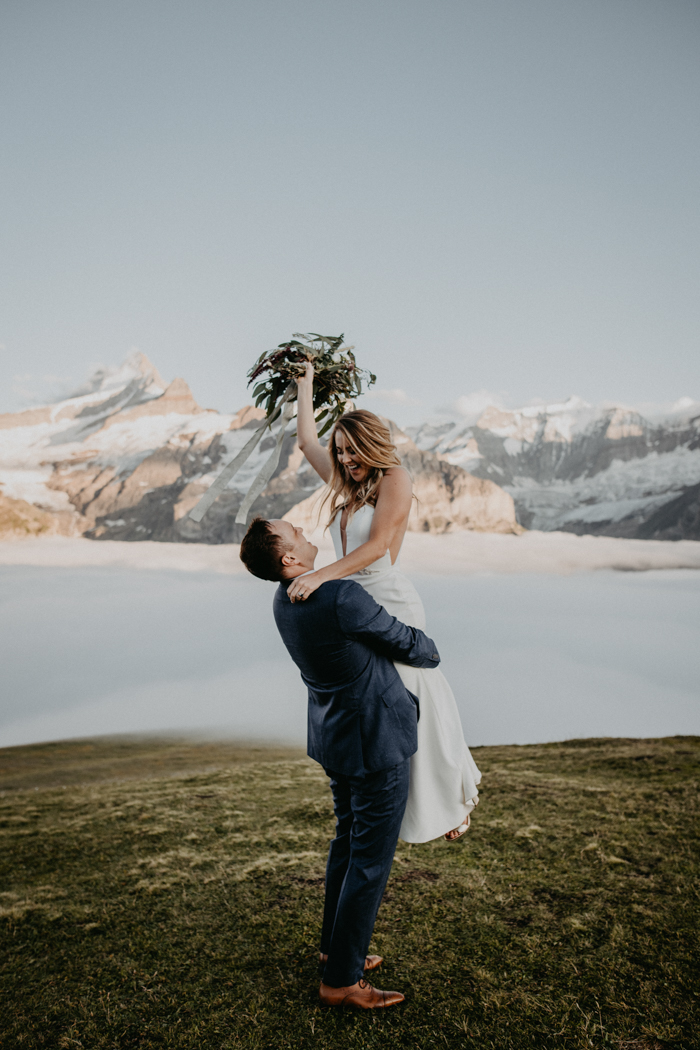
[
  {"x": 457, "y": 833},
  {"x": 463, "y": 828}
]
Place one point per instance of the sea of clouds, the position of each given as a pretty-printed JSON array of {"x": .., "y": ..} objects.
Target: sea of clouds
[{"x": 531, "y": 655}]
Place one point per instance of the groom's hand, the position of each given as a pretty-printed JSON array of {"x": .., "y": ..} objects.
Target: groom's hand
[{"x": 300, "y": 589}]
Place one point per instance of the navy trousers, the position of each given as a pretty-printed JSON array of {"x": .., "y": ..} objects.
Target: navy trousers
[{"x": 369, "y": 810}]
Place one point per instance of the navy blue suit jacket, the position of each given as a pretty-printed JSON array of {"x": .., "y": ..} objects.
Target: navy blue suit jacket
[{"x": 361, "y": 716}]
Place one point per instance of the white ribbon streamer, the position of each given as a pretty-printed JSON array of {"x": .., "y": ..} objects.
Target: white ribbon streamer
[
  {"x": 267, "y": 471},
  {"x": 221, "y": 480}
]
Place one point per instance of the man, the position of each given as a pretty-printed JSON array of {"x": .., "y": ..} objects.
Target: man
[{"x": 361, "y": 729}]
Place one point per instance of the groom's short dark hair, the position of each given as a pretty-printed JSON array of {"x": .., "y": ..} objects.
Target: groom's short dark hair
[{"x": 262, "y": 551}]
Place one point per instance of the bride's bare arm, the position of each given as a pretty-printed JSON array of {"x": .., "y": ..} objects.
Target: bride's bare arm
[
  {"x": 318, "y": 456},
  {"x": 390, "y": 514}
]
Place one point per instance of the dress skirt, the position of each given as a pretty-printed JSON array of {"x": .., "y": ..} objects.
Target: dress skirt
[{"x": 444, "y": 776}]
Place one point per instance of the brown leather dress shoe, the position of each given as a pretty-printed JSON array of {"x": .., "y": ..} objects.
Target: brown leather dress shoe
[
  {"x": 361, "y": 994},
  {"x": 371, "y": 961}
]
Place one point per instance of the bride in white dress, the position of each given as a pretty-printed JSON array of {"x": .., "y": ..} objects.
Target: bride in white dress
[{"x": 371, "y": 497}]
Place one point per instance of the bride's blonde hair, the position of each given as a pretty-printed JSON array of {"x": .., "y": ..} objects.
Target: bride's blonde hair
[{"x": 370, "y": 440}]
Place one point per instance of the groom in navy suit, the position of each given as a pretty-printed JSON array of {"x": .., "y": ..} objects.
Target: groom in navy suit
[{"x": 361, "y": 729}]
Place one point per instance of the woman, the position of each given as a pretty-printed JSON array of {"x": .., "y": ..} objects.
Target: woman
[{"x": 370, "y": 501}]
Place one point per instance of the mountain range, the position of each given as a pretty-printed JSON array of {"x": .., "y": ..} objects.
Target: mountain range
[
  {"x": 576, "y": 468},
  {"x": 126, "y": 457}
]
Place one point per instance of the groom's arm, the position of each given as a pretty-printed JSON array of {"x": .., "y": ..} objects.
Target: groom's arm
[{"x": 367, "y": 621}]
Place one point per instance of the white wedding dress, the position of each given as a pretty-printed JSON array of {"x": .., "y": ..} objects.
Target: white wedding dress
[{"x": 444, "y": 776}]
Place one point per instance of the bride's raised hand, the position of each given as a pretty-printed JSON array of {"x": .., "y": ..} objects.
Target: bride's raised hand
[{"x": 305, "y": 383}]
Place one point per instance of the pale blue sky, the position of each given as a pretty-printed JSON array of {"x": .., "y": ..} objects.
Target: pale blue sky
[{"x": 497, "y": 195}]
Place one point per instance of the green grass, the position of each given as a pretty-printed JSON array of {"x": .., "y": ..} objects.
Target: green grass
[{"x": 169, "y": 894}]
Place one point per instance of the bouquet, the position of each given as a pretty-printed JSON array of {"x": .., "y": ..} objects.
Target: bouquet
[{"x": 337, "y": 381}]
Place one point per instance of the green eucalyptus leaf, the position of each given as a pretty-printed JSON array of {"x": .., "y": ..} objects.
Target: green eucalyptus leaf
[{"x": 326, "y": 427}]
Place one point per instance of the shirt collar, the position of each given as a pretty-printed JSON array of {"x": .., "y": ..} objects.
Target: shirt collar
[{"x": 286, "y": 583}]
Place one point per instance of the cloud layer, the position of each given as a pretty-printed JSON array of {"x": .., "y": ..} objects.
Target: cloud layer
[{"x": 530, "y": 658}]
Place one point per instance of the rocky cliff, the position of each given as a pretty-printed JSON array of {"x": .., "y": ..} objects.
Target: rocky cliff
[
  {"x": 448, "y": 498},
  {"x": 126, "y": 458}
]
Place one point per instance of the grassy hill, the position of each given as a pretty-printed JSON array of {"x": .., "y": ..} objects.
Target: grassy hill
[{"x": 168, "y": 894}]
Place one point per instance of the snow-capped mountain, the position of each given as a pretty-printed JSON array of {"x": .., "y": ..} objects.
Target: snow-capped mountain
[
  {"x": 127, "y": 457},
  {"x": 581, "y": 469}
]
